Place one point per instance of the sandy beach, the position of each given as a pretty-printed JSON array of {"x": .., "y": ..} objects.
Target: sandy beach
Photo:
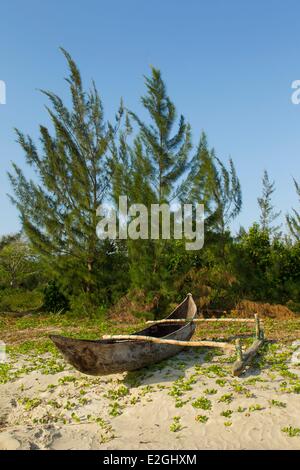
[{"x": 188, "y": 402}]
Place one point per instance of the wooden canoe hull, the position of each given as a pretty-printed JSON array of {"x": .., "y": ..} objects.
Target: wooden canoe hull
[
  {"x": 106, "y": 357},
  {"x": 102, "y": 357}
]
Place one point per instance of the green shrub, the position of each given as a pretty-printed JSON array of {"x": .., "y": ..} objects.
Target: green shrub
[
  {"x": 144, "y": 315},
  {"x": 85, "y": 304},
  {"x": 19, "y": 300},
  {"x": 294, "y": 306},
  {"x": 54, "y": 300}
]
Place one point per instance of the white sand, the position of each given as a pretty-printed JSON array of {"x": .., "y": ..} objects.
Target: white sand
[{"x": 38, "y": 411}]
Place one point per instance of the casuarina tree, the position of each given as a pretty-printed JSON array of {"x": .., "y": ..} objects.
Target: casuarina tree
[{"x": 58, "y": 210}]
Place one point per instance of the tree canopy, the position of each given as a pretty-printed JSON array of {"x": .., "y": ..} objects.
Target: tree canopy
[{"x": 83, "y": 160}]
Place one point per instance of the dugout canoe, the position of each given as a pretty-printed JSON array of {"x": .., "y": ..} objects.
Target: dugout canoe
[{"x": 108, "y": 356}]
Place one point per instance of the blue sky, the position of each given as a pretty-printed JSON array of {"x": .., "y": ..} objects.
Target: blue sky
[{"x": 228, "y": 65}]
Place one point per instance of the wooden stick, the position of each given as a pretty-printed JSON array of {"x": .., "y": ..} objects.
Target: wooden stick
[
  {"x": 249, "y": 354},
  {"x": 199, "y": 320},
  {"x": 212, "y": 344},
  {"x": 257, "y": 326},
  {"x": 239, "y": 350}
]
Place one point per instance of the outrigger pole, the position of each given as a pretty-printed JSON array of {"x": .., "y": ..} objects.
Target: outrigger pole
[
  {"x": 244, "y": 359},
  {"x": 212, "y": 344},
  {"x": 201, "y": 320}
]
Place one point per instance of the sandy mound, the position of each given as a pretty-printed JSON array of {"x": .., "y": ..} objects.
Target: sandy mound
[{"x": 247, "y": 308}]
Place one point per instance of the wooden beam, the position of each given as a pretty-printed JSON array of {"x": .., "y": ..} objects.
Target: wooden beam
[
  {"x": 239, "y": 350},
  {"x": 210, "y": 344},
  {"x": 239, "y": 365},
  {"x": 257, "y": 326},
  {"x": 201, "y": 320}
]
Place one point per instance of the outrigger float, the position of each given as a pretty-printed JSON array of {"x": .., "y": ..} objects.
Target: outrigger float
[{"x": 161, "y": 340}]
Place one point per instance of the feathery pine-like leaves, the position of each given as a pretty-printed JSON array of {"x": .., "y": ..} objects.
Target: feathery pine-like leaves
[
  {"x": 58, "y": 212},
  {"x": 147, "y": 171},
  {"x": 210, "y": 183},
  {"x": 198, "y": 187},
  {"x": 227, "y": 194},
  {"x": 293, "y": 220},
  {"x": 267, "y": 212},
  {"x": 167, "y": 154}
]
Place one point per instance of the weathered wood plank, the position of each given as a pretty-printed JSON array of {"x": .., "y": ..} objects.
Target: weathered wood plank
[
  {"x": 212, "y": 344},
  {"x": 201, "y": 320},
  {"x": 239, "y": 365}
]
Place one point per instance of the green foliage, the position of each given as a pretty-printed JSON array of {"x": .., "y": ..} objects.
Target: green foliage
[
  {"x": 83, "y": 161},
  {"x": 267, "y": 269},
  {"x": 291, "y": 431},
  {"x": 202, "y": 403},
  {"x": 54, "y": 300},
  {"x": 227, "y": 195},
  {"x": 227, "y": 398},
  {"x": 293, "y": 220},
  {"x": 115, "y": 409},
  {"x": 267, "y": 212},
  {"x": 20, "y": 300},
  {"x": 209, "y": 182},
  {"x": 255, "y": 407},
  {"x": 176, "y": 426},
  {"x": 148, "y": 172},
  {"x": 86, "y": 305},
  {"x": 201, "y": 418},
  {"x": 30, "y": 403},
  {"x": 19, "y": 265},
  {"x": 58, "y": 212},
  {"x": 227, "y": 413},
  {"x": 200, "y": 182},
  {"x": 166, "y": 155},
  {"x": 277, "y": 403}
]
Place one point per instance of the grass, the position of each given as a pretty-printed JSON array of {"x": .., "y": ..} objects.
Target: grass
[
  {"x": 54, "y": 404},
  {"x": 13, "y": 330},
  {"x": 227, "y": 413},
  {"x": 182, "y": 385},
  {"x": 70, "y": 405},
  {"x": 67, "y": 379},
  {"x": 75, "y": 417},
  {"x": 115, "y": 409},
  {"x": 221, "y": 382},
  {"x": 28, "y": 336},
  {"x": 291, "y": 432},
  {"x": 115, "y": 394},
  {"x": 241, "y": 389},
  {"x": 5, "y": 373},
  {"x": 210, "y": 391},
  {"x": 30, "y": 403},
  {"x": 201, "y": 419},
  {"x": 202, "y": 403},
  {"x": 176, "y": 425},
  {"x": 279, "y": 404},
  {"x": 227, "y": 398},
  {"x": 241, "y": 409},
  {"x": 134, "y": 400},
  {"x": 255, "y": 407},
  {"x": 180, "y": 403}
]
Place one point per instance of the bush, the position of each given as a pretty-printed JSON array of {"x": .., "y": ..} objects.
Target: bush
[
  {"x": 54, "y": 300},
  {"x": 19, "y": 300},
  {"x": 294, "y": 306},
  {"x": 144, "y": 315},
  {"x": 85, "y": 304}
]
